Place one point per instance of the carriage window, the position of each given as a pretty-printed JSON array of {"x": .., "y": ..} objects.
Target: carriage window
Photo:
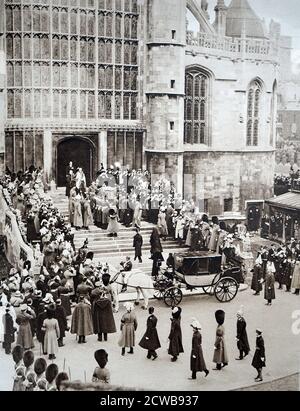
[{"x": 195, "y": 266}]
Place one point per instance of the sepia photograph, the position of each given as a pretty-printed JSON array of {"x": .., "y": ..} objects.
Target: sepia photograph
[{"x": 149, "y": 198}]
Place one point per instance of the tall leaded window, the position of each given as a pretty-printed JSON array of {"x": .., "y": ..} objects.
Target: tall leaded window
[
  {"x": 196, "y": 107},
  {"x": 253, "y": 113},
  {"x": 80, "y": 51}
]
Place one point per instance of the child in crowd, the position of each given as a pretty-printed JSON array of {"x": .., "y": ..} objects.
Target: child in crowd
[
  {"x": 51, "y": 374},
  {"x": 101, "y": 374}
]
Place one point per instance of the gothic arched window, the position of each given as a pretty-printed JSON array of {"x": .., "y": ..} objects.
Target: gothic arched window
[
  {"x": 253, "y": 113},
  {"x": 196, "y": 111}
]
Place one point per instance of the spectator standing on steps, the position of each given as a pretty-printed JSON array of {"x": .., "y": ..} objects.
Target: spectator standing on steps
[{"x": 137, "y": 244}]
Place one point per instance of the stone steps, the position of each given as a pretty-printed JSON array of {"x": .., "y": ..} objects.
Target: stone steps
[{"x": 113, "y": 249}]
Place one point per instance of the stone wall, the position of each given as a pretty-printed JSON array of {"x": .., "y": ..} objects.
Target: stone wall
[{"x": 218, "y": 176}]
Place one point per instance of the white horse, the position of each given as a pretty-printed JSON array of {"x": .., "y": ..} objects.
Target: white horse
[{"x": 137, "y": 282}]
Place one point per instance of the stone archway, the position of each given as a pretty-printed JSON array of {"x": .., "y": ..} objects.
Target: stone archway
[{"x": 78, "y": 150}]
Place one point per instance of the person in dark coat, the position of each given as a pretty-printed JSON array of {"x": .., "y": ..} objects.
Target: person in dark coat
[
  {"x": 197, "y": 359},
  {"x": 241, "y": 335},
  {"x": 137, "y": 244},
  {"x": 40, "y": 333},
  {"x": 103, "y": 318},
  {"x": 156, "y": 251},
  {"x": 60, "y": 315},
  {"x": 42, "y": 285},
  {"x": 150, "y": 340},
  {"x": 9, "y": 330},
  {"x": 171, "y": 261},
  {"x": 288, "y": 273},
  {"x": 269, "y": 284},
  {"x": 175, "y": 336},
  {"x": 259, "y": 359},
  {"x": 257, "y": 277}
]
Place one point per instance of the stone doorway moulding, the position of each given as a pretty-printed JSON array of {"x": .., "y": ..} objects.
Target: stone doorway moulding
[{"x": 82, "y": 150}]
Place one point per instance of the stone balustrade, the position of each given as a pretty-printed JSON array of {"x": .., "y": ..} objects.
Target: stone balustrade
[{"x": 250, "y": 47}]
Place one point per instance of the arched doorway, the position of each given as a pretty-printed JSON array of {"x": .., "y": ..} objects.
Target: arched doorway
[{"x": 80, "y": 152}]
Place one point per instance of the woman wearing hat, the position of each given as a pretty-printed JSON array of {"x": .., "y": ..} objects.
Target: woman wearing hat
[
  {"x": 52, "y": 334},
  {"x": 128, "y": 327},
  {"x": 296, "y": 278},
  {"x": 162, "y": 223},
  {"x": 113, "y": 225},
  {"x": 175, "y": 336},
  {"x": 197, "y": 359},
  {"x": 259, "y": 359},
  {"x": 257, "y": 276},
  {"x": 23, "y": 320}
]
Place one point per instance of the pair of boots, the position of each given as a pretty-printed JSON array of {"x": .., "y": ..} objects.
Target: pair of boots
[
  {"x": 194, "y": 374},
  {"x": 220, "y": 366},
  {"x": 81, "y": 339},
  {"x": 297, "y": 291},
  {"x": 100, "y": 336},
  {"x": 129, "y": 352},
  {"x": 243, "y": 354},
  {"x": 52, "y": 357},
  {"x": 152, "y": 353}
]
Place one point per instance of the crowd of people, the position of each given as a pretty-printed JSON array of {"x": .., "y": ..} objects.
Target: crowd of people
[
  {"x": 277, "y": 264},
  {"x": 33, "y": 374},
  {"x": 72, "y": 292}
]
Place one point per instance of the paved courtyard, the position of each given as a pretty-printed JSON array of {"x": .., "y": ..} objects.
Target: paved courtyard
[{"x": 282, "y": 347}]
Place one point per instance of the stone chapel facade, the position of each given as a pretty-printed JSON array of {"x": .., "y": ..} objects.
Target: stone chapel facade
[{"x": 124, "y": 81}]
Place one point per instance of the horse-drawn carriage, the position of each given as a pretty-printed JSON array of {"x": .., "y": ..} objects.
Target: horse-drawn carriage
[{"x": 198, "y": 270}]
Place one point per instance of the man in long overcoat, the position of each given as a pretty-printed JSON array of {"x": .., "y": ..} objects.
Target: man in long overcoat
[
  {"x": 60, "y": 315},
  {"x": 82, "y": 323},
  {"x": 175, "y": 336},
  {"x": 103, "y": 318},
  {"x": 259, "y": 359},
  {"x": 241, "y": 335},
  {"x": 269, "y": 285},
  {"x": 150, "y": 340},
  {"x": 137, "y": 244},
  {"x": 197, "y": 359},
  {"x": 9, "y": 330}
]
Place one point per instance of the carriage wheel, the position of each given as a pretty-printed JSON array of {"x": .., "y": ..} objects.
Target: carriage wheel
[
  {"x": 159, "y": 289},
  {"x": 173, "y": 297},
  {"x": 158, "y": 294},
  {"x": 209, "y": 290},
  {"x": 226, "y": 290}
]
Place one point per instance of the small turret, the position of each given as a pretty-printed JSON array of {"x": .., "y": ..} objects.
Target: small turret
[{"x": 220, "y": 21}]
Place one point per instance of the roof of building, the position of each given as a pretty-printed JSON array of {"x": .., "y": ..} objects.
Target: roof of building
[
  {"x": 242, "y": 18},
  {"x": 288, "y": 200}
]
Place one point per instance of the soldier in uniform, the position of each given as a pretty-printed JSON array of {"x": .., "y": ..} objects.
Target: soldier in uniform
[{"x": 259, "y": 359}]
